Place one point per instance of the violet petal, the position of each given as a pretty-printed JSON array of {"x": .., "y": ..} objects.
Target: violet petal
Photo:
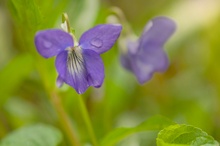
[
  {"x": 59, "y": 81},
  {"x": 125, "y": 61},
  {"x": 94, "y": 67},
  {"x": 51, "y": 42},
  {"x": 75, "y": 78},
  {"x": 88, "y": 72},
  {"x": 152, "y": 60},
  {"x": 157, "y": 32},
  {"x": 100, "y": 38},
  {"x": 61, "y": 63}
]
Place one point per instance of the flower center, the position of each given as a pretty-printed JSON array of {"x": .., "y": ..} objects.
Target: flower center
[{"x": 75, "y": 61}]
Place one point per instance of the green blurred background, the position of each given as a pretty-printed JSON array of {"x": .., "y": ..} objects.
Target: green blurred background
[{"x": 188, "y": 92}]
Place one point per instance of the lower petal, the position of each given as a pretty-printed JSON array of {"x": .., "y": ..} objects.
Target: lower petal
[
  {"x": 89, "y": 70},
  {"x": 142, "y": 71},
  {"x": 155, "y": 57},
  {"x": 147, "y": 63},
  {"x": 78, "y": 80}
]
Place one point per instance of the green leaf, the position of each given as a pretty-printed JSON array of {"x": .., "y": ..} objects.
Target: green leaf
[
  {"x": 13, "y": 74},
  {"x": 29, "y": 16},
  {"x": 34, "y": 14},
  {"x": 184, "y": 135},
  {"x": 153, "y": 123},
  {"x": 36, "y": 135},
  {"x": 25, "y": 12}
]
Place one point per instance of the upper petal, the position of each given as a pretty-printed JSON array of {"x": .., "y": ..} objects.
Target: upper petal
[
  {"x": 157, "y": 32},
  {"x": 51, "y": 42},
  {"x": 101, "y": 37}
]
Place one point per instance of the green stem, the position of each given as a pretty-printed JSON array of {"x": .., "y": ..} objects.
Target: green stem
[
  {"x": 87, "y": 120},
  {"x": 121, "y": 17},
  {"x": 64, "y": 120},
  {"x": 56, "y": 101},
  {"x": 65, "y": 18}
]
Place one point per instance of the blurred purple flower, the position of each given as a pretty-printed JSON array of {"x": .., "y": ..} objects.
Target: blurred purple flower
[
  {"x": 146, "y": 55},
  {"x": 78, "y": 65}
]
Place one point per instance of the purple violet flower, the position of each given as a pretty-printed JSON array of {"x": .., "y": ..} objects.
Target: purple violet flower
[
  {"x": 78, "y": 64},
  {"x": 146, "y": 55}
]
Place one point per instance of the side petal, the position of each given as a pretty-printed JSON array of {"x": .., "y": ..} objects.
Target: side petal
[
  {"x": 157, "y": 31},
  {"x": 126, "y": 61},
  {"x": 127, "y": 56},
  {"x": 70, "y": 75},
  {"x": 101, "y": 37},
  {"x": 94, "y": 67},
  {"x": 59, "y": 81},
  {"x": 51, "y": 42},
  {"x": 61, "y": 64}
]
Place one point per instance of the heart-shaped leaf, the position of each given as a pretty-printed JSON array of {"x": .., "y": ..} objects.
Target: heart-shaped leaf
[
  {"x": 184, "y": 135},
  {"x": 37, "y": 135}
]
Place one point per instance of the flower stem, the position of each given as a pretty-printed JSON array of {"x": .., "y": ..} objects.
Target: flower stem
[
  {"x": 87, "y": 120},
  {"x": 65, "y": 18},
  {"x": 64, "y": 120},
  {"x": 120, "y": 15}
]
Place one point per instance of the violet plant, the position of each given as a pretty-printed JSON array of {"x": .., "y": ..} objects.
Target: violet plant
[
  {"x": 80, "y": 66},
  {"x": 78, "y": 63},
  {"x": 145, "y": 55}
]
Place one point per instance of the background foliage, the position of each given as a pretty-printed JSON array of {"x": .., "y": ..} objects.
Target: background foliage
[{"x": 187, "y": 93}]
